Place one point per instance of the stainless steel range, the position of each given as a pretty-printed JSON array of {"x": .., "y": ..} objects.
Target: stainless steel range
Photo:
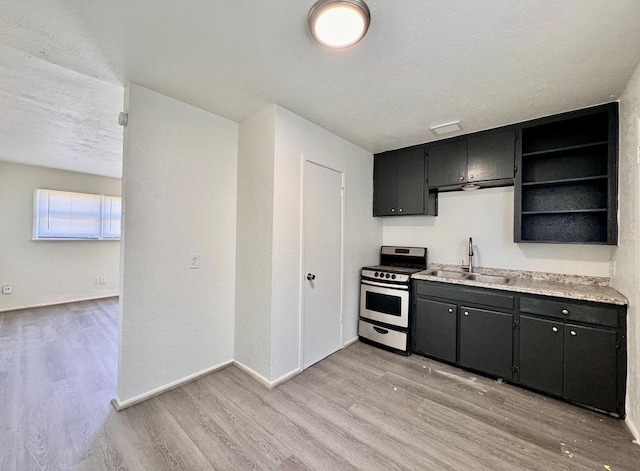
[{"x": 385, "y": 297}]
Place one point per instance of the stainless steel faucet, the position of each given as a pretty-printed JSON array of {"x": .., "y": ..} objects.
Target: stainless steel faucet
[{"x": 469, "y": 267}]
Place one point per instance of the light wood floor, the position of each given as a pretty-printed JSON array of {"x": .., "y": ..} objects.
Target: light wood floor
[{"x": 361, "y": 408}]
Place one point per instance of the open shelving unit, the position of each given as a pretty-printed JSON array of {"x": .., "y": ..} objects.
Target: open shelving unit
[{"x": 566, "y": 185}]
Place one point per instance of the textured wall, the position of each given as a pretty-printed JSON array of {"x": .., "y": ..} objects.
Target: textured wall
[
  {"x": 179, "y": 186},
  {"x": 46, "y": 272},
  {"x": 487, "y": 216},
  {"x": 627, "y": 254},
  {"x": 254, "y": 239},
  {"x": 297, "y": 137}
]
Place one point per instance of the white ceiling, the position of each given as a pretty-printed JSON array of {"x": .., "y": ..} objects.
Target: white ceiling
[{"x": 422, "y": 63}]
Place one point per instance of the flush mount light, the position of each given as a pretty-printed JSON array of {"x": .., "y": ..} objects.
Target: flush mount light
[
  {"x": 446, "y": 128},
  {"x": 339, "y": 23}
]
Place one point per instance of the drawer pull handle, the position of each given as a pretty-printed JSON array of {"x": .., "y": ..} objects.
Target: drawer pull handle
[
  {"x": 565, "y": 312},
  {"x": 450, "y": 310},
  {"x": 380, "y": 331},
  {"x": 466, "y": 313},
  {"x": 555, "y": 329},
  {"x": 573, "y": 332}
]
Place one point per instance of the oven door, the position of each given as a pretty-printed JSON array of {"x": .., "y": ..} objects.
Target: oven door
[{"x": 385, "y": 303}]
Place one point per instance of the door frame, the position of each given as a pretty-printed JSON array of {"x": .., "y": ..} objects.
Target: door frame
[{"x": 302, "y": 279}]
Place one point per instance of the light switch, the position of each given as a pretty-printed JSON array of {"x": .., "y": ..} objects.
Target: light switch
[{"x": 194, "y": 260}]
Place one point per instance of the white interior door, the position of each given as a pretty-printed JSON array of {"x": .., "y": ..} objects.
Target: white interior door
[{"x": 322, "y": 322}]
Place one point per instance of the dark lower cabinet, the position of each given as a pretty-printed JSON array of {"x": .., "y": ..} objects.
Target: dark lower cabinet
[
  {"x": 486, "y": 341},
  {"x": 590, "y": 366},
  {"x": 541, "y": 354},
  {"x": 570, "y": 349},
  {"x": 435, "y": 329}
]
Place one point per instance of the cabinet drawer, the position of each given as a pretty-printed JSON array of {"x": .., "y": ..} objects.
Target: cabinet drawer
[
  {"x": 390, "y": 338},
  {"x": 593, "y": 314},
  {"x": 465, "y": 294}
]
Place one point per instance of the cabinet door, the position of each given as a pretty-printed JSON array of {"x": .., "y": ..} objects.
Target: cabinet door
[
  {"x": 491, "y": 155},
  {"x": 447, "y": 164},
  {"x": 541, "y": 354},
  {"x": 435, "y": 329},
  {"x": 590, "y": 366},
  {"x": 410, "y": 181},
  {"x": 486, "y": 341},
  {"x": 385, "y": 185}
]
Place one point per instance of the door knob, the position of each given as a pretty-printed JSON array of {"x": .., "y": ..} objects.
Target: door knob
[{"x": 311, "y": 276}]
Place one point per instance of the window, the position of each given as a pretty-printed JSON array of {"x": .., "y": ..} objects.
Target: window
[{"x": 67, "y": 215}]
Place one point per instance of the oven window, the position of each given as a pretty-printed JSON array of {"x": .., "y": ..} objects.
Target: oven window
[{"x": 384, "y": 303}]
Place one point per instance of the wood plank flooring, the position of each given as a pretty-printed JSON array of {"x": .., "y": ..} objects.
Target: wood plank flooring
[{"x": 361, "y": 408}]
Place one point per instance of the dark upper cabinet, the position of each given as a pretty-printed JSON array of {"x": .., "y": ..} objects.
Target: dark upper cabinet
[
  {"x": 447, "y": 163},
  {"x": 566, "y": 189},
  {"x": 399, "y": 186},
  {"x": 411, "y": 181},
  {"x": 385, "y": 185},
  {"x": 491, "y": 155},
  {"x": 485, "y": 158}
]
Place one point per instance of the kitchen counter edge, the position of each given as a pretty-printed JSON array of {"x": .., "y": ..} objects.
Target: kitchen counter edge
[{"x": 583, "y": 292}]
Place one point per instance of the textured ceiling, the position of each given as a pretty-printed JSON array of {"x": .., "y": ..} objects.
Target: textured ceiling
[{"x": 422, "y": 63}]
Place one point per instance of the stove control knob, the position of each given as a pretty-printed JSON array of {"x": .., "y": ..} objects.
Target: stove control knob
[
  {"x": 393, "y": 277},
  {"x": 376, "y": 274},
  {"x": 387, "y": 275}
]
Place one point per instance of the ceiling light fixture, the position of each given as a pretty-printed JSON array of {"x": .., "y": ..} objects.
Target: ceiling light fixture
[
  {"x": 446, "y": 128},
  {"x": 339, "y": 23}
]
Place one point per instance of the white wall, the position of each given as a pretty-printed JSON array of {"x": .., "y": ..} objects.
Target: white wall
[
  {"x": 49, "y": 272},
  {"x": 295, "y": 138},
  {"x": 627, "y": 254},
  {"x": 179, "y": 186},
  {"x": 271, "y": 149},
  {"x": 487, "y": 216},
  {"x": 254, "y": 239}
]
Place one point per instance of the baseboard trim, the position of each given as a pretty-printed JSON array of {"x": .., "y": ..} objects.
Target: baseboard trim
[
  {"x": 56, "y": 303},
  {"x": 264, "y": 381},
  {"x": 633, "y": 429},
  {"x": 285, "y": 377},
  {"x": 350, "y": 342},
  {"x": 119, "y": 405}
]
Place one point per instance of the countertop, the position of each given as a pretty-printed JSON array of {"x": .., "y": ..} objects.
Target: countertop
[{"x": 585, "y": 288}]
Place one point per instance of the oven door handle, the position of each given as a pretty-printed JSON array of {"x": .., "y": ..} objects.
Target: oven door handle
[{"x": 384, "y": 285}]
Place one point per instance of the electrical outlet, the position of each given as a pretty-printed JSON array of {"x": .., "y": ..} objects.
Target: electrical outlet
[
  {"x": 103, "y": 280},
  {"x": 96, "y": 281},
  {"x": 6, "y": 289},
  {"x": 194, "y": 260}
]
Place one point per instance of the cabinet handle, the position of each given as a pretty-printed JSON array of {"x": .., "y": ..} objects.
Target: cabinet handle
[
  {"x": 393, "y": 210},
  {"x": 466, "y": 313},
  {"x": 461, "y": 177},
  {"x": 573, "y": 332},
  {"x": 450, "y": 310},
  {"x": 555, "y": 329},
  {"x": 565, "y": 312},
  {"x": 470, "y": 177},
  {"x": 400, "y": 210}
]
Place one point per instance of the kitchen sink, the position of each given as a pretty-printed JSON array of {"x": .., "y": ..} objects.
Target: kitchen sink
[
  {"x": 488, "y": 278},
  {"x": 456, "y": 275}
]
